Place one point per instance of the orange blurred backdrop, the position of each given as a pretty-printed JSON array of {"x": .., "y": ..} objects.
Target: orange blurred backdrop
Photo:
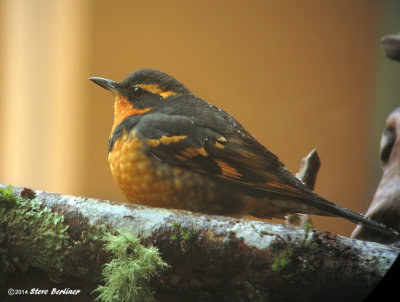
[{"x": 297, "y": 75}]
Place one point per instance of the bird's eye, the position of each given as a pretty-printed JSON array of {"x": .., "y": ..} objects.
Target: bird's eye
[{"x": 137, "y": 91}]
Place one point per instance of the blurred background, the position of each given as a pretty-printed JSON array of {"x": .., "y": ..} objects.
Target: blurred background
[{"x": 296, "y": 75}]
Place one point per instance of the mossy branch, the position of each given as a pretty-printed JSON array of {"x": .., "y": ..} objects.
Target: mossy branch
[
  {"x": 216, "y": 257},
  {"x": 210, "y": 257}
]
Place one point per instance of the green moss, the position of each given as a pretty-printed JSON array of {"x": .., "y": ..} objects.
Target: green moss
[
  {"x": 307, "y": 228},
  {"x": 30, "y": 235},
  {"x": 182, "y": 233},
  {"x": 129, "y": 272},
  {"x": 283, "y": 260},
  {"x": 7, "y": 198},
  {"x": 298, "y": 253}
]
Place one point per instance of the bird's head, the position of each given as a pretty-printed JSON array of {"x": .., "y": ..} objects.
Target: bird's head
[{"x": 141, "y": 91}]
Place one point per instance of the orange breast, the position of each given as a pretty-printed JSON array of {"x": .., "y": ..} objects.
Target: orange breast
[{"x": 152, "y": 182}]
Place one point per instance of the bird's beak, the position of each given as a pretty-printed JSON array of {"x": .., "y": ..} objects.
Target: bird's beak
[{"x": 105, "y": 83}]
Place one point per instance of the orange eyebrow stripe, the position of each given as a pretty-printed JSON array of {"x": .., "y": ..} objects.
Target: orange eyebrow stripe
[
  {"x": 154, "y": 88},
  {"x": 166, "y": 94}
]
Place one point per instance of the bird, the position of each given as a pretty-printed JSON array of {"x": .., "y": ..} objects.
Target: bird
[
  {"x": 385, "y": 205},
  {"x": 169, "y": 148}
]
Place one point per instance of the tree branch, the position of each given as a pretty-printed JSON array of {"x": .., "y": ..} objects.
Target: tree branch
[{"x": 220, "y": 258}]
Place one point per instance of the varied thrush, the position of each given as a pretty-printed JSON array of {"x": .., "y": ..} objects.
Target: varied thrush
[{"x": 169, "y": 148}]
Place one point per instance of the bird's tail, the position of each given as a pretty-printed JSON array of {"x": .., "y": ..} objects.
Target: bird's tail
[{"x": 330, "y": 209}]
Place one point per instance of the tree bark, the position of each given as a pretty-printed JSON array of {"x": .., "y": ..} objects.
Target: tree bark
[
  {"x": 212, "y": 257},
  {"x": 216, "y": 258}
]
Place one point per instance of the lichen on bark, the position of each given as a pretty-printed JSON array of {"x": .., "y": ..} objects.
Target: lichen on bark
[{"x": 30, "y": 235}]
